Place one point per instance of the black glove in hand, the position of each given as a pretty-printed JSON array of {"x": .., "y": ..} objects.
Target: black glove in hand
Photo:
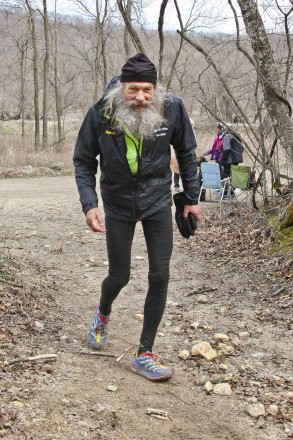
[{"x": 186, "y": 227}]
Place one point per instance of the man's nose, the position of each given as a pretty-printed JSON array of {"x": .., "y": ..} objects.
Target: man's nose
[{"x": 140, "y": 96}]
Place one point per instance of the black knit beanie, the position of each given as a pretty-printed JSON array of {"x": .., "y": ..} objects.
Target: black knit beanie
[{"x": 139, "y": 69}]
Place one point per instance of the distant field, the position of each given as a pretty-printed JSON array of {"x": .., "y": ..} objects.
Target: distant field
[{"x": 15, "y": 152}]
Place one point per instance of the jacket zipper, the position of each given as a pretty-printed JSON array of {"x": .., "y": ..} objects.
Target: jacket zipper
[{"x": 134, "y": 180}]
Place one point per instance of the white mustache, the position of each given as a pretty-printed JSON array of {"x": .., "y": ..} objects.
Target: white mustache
[{"x": 134, "y": 103}]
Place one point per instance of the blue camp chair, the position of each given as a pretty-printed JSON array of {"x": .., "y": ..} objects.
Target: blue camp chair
[{"x": 212, "y": 182}]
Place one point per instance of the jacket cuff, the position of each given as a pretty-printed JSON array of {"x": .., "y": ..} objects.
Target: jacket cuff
[
  {"x": 89, "y": 206},
  {"x": 190, "y": 201}
]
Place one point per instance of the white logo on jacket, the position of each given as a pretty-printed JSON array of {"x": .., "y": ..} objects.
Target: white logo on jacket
[{"x": 161, "y": 131}]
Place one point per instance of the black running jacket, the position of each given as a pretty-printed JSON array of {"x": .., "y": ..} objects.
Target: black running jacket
[{"x": 125, "y": 196}]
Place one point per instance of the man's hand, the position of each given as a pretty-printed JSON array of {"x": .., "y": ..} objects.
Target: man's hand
[
  {"x": 193, "y": 209},
  {"x": 94, "y": 220}
]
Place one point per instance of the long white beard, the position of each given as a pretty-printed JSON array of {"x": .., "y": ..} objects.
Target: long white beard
[{"x": 138, "y": 121}]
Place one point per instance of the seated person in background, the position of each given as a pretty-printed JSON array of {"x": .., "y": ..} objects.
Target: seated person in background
[{"x": 216, "y": 150}]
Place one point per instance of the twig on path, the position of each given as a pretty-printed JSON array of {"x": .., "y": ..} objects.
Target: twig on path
[
  {"x": 120, "y": 357},
  {"x": 123, "y": 354},
  {"x": 175, "y": 395},
  {"x": 200, "y": 290},
  {"x": 23, "y": 312},
  {"x": 277, "y": 292},
  {"x": 97, "y": 353},
  {"x": 2, "y": 280},
  {"x": 33, "y": 358},
  {"x": 158, "y": 413}
]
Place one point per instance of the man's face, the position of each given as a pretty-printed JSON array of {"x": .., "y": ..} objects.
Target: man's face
[{"x": 139, "y": 94}]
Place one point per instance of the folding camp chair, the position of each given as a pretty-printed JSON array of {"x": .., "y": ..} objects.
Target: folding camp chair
[
  {"x": 212, "y": 182},
  {"x": 240, "y": 187}
]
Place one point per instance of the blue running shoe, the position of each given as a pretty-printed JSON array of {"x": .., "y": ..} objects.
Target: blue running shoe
[
  {"x": 99, "y": 330},
  {"x": 147, "y": 365}
]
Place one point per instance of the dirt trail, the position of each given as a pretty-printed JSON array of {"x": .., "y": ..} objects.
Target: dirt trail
[{"x": 44, "y": 227}]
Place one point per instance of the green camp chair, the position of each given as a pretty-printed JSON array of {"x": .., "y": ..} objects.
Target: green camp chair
[{"x": 239, "y": 184}]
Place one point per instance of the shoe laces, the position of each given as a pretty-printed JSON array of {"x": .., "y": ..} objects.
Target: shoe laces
[
  {"x": 103, "y": 321},
  {"x": 152, "y": 356}
]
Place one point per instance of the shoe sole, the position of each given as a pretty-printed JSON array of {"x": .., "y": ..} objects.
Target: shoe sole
[
  {"x": 148, "y": 376},
  {"x": 97, "y": 347}
]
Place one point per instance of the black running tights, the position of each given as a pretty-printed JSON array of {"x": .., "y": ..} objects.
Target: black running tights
[{"x": 158, "y": 232}]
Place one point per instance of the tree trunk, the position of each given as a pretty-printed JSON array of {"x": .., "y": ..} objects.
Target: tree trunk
[
  {"x": 96, "y": 63},
  {"x": 126, "y": 33},
  {"x": 45, "y": 78},
  {"x": 56, "y": 81},
  {"x": 101, "y": 38},
  {"x": 161, "y": 37},
  {"x": 269, "y": 76},
  {"x": 22, "y": 90},
  {"x": 174, "y": 65},
  {"x": 32, "y": 26},
  {"x": 132, "y": 32}
]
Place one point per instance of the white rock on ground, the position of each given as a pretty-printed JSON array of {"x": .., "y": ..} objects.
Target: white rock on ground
[
  {"x": 225, "y": 347},
  {"x": 139, "y": 317},
  {"x": 208, "y": 386},
  {"x": 221, "y": 337},
  {"x": 112, "y": 388},
  {"x": 223, "y": 366},
  {"x": 202, "y": 299},
  {"x": 244, "y": 334},
  {"x": 184, "y": 354},
  {"x": 223, "y": 389},
  {"x": 204, "y": 349},
  {"x": 256, "y": 410},
  {"x": 273, "y": 409}
]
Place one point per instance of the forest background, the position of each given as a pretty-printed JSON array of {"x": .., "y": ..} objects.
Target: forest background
[{"x": 54, "y": 66}]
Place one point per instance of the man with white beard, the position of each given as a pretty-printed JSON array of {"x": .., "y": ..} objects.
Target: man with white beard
[{"x": 130, "y": 130}]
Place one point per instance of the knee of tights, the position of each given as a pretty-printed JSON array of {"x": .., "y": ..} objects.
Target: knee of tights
[
  {"x": 159, "y": 280},
  {"x": 119, "y": 281}
]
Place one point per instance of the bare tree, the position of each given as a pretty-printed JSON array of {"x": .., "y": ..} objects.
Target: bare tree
[
  {"x": 132, "y": 32},
  {"x": 100, "y": 22},
  {"x": 100, "y": 17},
  {"x": 45, "y": 74},
  {"x": 161, "y": 38},
  {"x": 19, "y": 34},
  {"x": 289, "y": 59},
  {"x": 266, "y": 89},
  {"x": 54, "y": 49},
  {"x": 276, "y": 104},
  {"x": 126, "y": 33},
  {"x": 32, "y": 25}
]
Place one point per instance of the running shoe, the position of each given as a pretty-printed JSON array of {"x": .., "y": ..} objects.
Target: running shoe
[
  {"x": 99, "y": 330},
  {"x": 147, "y": 365}
]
